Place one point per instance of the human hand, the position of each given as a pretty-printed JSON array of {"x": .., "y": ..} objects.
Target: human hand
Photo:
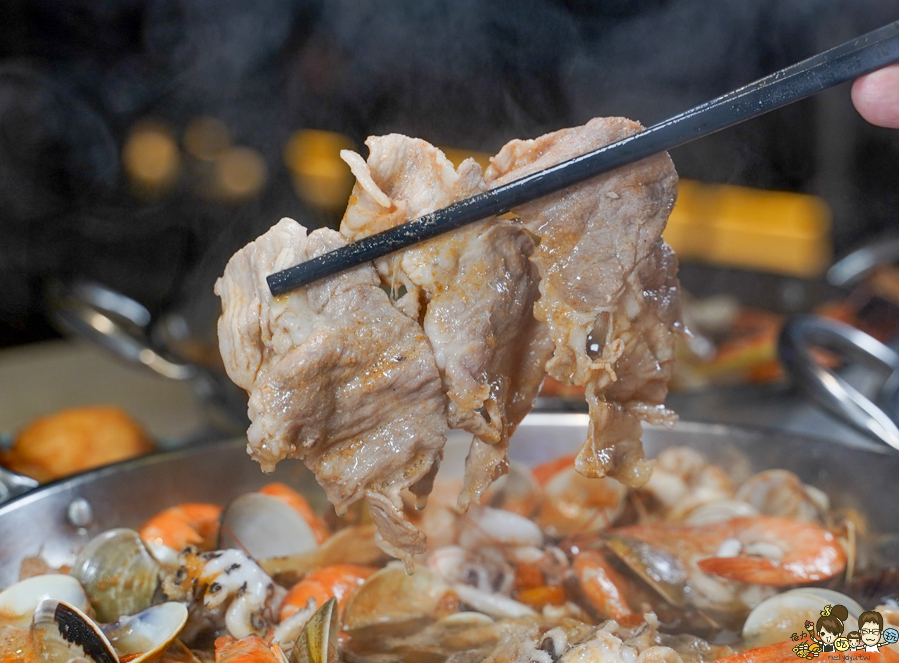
[{"x": 876, "y": 97}]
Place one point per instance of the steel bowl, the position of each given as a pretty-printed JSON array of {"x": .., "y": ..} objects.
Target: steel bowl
[{"x": 56, "y": 520}]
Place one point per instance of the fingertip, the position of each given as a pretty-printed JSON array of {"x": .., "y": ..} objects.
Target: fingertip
[{"x": 876, "y": 97}]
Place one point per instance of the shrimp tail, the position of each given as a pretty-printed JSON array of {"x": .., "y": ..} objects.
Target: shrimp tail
[
  {"x": 782, "y": 652},
  {"x": 748, "y": 568},
  {"x": 779, "y": 652},
  {"x": 825, "y": 562}
]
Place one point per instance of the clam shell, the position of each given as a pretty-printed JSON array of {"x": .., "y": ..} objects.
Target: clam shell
[
  {"x": 148, "y": 633},
  {"x": 118, "y": 573},
  {"x": 720, "y": 511},
  {"x": 487, "y": 526},
  {"x": 351, "y": 545},
  {"x": 317, "y": 642},
  {"x": 662, "y": 571},
  {"x": 18, "y": 602},
  {"x": 61, "y": 632},
  {"x": 391, "y": 596},
  {"x": 265, "y": 527},
  {"x": 777, "y": 618}
]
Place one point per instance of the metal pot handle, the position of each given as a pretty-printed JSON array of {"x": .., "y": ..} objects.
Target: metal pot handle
[
  {"x": 828, "y": 389},
  {"x": 113, "y": 321},
  {"x": 121, "y": 325},
  {"x": 13, "y": 485},
  {"x": 855, "y": 267}
]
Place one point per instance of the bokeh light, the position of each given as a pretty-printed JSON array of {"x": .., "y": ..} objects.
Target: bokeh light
[
  {"x": 150, "y": 157},
  {"x": 206, "y": 138},
  {"x": 320, "y": 176},
  {"x": 240, "y": 173}
]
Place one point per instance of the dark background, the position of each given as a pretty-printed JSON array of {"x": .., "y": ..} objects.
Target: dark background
[{"x": 77, "y": 75}]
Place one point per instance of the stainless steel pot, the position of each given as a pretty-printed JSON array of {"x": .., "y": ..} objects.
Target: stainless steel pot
[{"x": 56, "y": 520}]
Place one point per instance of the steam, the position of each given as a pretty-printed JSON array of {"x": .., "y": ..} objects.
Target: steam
[{"x": 465, "y": 73}]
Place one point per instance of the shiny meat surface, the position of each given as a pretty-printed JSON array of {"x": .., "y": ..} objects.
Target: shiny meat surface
[
  {"x": 360, "y": 374},
  {"x": 473, "y": 292},
  {"x": 337, "y": 377},
  {"x": 608, "y": 289}
]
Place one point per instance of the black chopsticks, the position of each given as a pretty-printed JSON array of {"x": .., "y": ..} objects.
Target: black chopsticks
[{"x": 837, "y": 65}]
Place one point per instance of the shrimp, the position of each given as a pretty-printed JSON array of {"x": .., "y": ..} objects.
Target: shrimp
[
  {"x": 784, "y": 652},
  {"x": 683, "y": 480},
  {"x": 251, "y": 649},
  {"x": 538, "y": 580},
  {"x": 761, "y": 550},
  {"x": 782, "y": 493},
  {"x": 196, "y": 524},
  {"x": 780, "y": 652},
  {"x": 574, "y": 504},
  {"x": 189, "y": 524},
  {"x": 338, "y": 580},
  {"x": 603, "y": 587},
  {"x": 291, "y": 497}
]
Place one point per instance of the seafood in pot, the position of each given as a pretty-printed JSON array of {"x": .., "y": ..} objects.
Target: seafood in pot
[
  {"x": 634, "y": 585},
  {"x": 59, "y": 633}
]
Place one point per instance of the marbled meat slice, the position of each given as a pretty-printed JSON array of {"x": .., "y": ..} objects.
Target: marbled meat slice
[
  {"x": 472, "y": 290},
  {"x": 608, "y": 287},
  {"x": 337, "y": 377}
]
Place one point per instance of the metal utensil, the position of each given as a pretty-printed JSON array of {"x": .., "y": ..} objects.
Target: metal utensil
[
  {"x": 852, "y": 269},
  {"x": 877, "y": 417},
  {"x": 13, "y": 484},
  {"x": 121, "y": 326},
  {"x": 837, "y": 65}
]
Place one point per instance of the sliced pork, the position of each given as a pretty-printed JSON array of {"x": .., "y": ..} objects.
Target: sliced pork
[
  {"x": 472, "y": 290},
  {"x": 360, "y": 374},
  {"x": 337, "y": 377},
  {"x": 608, "y": 288}
]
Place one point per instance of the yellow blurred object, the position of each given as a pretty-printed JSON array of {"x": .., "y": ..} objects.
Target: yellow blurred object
[
  {"x": 458, "y": 156},
  {"x": 720, "y": 224},
  {"x": 320, "y": 176},
  {"x": 240, "y": 173},
  {"x": 773, "y": 231},
  {"x": 733, "y": 226},
  {"x": 206, "y": 138},
  {"x": 75, "y": 440},
  {"x": 151, "y": 157}
]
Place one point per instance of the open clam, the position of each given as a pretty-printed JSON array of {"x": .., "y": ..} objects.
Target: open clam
[
  {"x": 390, "y": 596},
  {"x": 777, "y": 618},
  {"x": 265, "y": 527},
  {"x": 61, "y": 633},
  {"x": 18, "y": 602},
  {"x": 148, "y": 633},
  {"x": 118, "y": 573},
  {"x": 659, "y": 569}
]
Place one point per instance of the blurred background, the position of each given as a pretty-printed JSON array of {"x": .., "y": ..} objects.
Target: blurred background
[{"x": 143, "y": 141}]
